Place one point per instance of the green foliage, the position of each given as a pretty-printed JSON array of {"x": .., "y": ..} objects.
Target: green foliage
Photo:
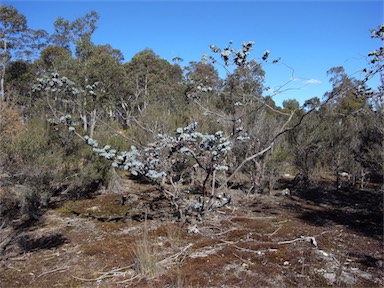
[
  {"x": 48, "y": 161},
  {"x": 18, "y": 76},
  {"x": 369, "y": 150},
  {"x": 52, "y": 57},
  {"x": 12, "y": 25},
  {"x": 201, "y": 77},
  {"x": 17, "y": 39},
  {"x": 246, "y": 80},
  {"x": 11, "y": 20},
  {"x": 278, "y": 163},
  {"x": 306, "y": 146},
  {"x": 338, "y": 136},
  {"x": 71, "y": 33},
  {"x": 10, "y": 126},
  {"x": 152, "y": 80},
  {"x": 290, "y": 105},
  {"x": 19, "y": 204}
]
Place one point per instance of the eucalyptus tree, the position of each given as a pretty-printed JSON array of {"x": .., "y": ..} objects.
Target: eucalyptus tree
[
  {"x": 343, "y": 121},
  {"x": 18, "y": 41},
  {"x": 244, "y": 112},
  {"x": 241, "y": 99},
  {"x": 150, "y": 81},
  {"x": 337, "y": 136},
  {"x": 97, "y": 83},
  {"x": 306, "y": 145},
  {"x": 104, "y": 66},
  {"x": 201, "y": 81},
  {"x": 244, "y": 85},
  {"x": 12, "y": 26},
  {"x": 369, "y": 152},
  {"x": 18, "y": 78},
  {"x": 54, "y": 58},
  {"x": 96, "y": 68},
  {"x": 76, "y": 33},
  {"x": 369, "y": 149},
  {"x": 347, "y": 127}
]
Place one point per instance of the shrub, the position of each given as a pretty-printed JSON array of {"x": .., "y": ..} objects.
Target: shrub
[
  {"x": 18, "y": 204},
  {"x": 46, "y": 162}
]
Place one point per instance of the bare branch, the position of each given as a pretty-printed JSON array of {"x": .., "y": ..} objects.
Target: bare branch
[
  {"x": 311, "y": 240},
  {"x": 142, "y": 126},
  {"x": 117, "y": 132},
  {"x": 61, "y": 269},
  {"x": 258, "y": 154},
  {"x": 224, "y": 117}
]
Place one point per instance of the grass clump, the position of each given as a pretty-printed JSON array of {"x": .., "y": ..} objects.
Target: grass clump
[{"x": 146, "y": 256}]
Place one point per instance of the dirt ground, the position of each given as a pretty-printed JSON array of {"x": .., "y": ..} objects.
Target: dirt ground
[{"x": 312, "y": 238}]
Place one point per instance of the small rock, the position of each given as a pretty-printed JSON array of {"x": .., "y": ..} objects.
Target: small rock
[
  {"x": 286, "y": 192},
  {"x": 192, "y": 229}
]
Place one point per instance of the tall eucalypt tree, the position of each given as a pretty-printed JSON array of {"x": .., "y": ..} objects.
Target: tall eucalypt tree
[
  {"x": 12, "y": 24},
  {"x": 17, "y": 41}
]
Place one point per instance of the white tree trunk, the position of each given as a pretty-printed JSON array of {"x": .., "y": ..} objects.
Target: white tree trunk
[{"x": 92, "y": 123}]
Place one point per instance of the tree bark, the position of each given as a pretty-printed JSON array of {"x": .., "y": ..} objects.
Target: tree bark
[{"x": 2, "y": 96}]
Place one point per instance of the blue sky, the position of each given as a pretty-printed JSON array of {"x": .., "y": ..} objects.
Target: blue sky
[{"x": 310, "y": 36}]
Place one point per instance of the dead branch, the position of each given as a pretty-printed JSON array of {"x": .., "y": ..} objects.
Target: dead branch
[
  {"x": 251, "y": 218},
  {"x": 206, "y": 110},
  {"x": 258, "y": 252},
  {"x": 143, "y": 127},
  {"x": 61, "y": 269},
  {"x": 242, "y": 259},
  {"x": 128, "y": 280},
  {"x": 117, "y": 132},
  {"x": 309, "y": 239},
  {"x": 177, "y": 254},
  {"x": 284, "y": 130},
  {"x": 107, "y": 274},
  {"x": 274, "y": 232},
  {"x": 225, "y": 232},
  {"x": 221, "y": 232},
  {"x": 258, "y": 154}
]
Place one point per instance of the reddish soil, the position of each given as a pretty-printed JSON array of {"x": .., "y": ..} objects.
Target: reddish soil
[{"x": 317, "y": 238}]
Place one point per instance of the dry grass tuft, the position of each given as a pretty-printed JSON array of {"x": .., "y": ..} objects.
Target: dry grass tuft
[{"x": 146, "y": 255}]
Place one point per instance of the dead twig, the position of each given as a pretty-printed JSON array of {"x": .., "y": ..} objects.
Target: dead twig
[
  {"x": 10, "y": 267},
  {"x": 107, "y": 274},
  {"x": 260, "y": 153},
  {"x": 252, "y": 218},
  {"x": 177, "y": 254},
  {"x": 221, "y": 232},
  {"x": 61, "y": 269},
  {"x": 128, "y": 280},
  {"x": 225, "y": 232},
  {"x": 92, "y": 279},
  {"x": 258, "y": 252},
  {"x": 242, "y": 259},
  {"x": 228, "y": 242},
  {"x": 274, "y": 232},
  {"x": 309, "y": 239}
]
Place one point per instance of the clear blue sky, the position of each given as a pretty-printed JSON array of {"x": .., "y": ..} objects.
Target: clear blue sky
[{"x": 310, "y": 36}]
